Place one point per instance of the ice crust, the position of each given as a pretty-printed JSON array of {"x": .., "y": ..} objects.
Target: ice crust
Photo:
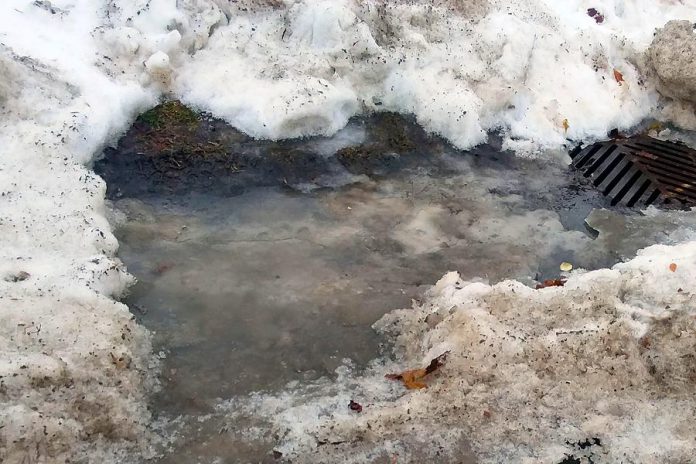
[{"x": 74, "y": 367}]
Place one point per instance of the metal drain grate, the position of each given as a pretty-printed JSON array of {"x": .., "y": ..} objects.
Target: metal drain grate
[{"x": 640, "y": 170}]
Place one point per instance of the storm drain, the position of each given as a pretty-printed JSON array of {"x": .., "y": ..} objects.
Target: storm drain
[{"x": 640, "y": 170}]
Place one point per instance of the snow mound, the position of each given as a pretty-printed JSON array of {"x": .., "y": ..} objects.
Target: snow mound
[
  {"x": 539, "y": 71},
  {"x": 672, "y": 55},
  {"x": 75, "y": 368},
  {"x": 602, "y": 368}
]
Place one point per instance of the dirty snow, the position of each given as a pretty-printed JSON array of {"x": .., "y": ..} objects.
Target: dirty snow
[
  {"x": 521, "y": 67},
  {"x": 532, "y": 375},
  {"x": 75, "y": 369}
]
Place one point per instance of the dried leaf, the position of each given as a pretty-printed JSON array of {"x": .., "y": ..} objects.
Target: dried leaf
[
  {"x": 618, "y": 76},
  {"x": 566, "y": 267},
  {"x": 565, "y": 125},
  {"x": 673, "y": 267},
  {"x": 413, "y": 379},
  {"x": 551, "y": 283},
  {"x": 357, "y": 407}
]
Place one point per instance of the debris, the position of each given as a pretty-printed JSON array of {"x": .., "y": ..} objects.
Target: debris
[
  {"x": 655, "y": 126},
  {"x": 673, "y": 267},
  {"x": 566, "y": 267},
  {"x": 357, "y": 407},
  {"x": 596, "y": 15},
  {"x": 19, "y": 277},
  {"x": 551, "y": 283},
  {"x": 277, "y": 454},
  {"x": 412, "y": 379},
  {"x": 121, "y": 362}
]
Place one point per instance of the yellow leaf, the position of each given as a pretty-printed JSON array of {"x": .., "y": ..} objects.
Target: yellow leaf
[
  {"x": 413, "y": 379},
  {"x": 566, "y": 267},
  {"x": 565, "y": 125}
]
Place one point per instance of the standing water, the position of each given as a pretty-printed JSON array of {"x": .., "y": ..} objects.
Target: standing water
[{"x": 261, "y": 263}]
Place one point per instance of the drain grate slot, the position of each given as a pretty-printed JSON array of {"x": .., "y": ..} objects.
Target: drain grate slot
[
  {"x": 618, "y": 177},
  {"x": 601, "y": 157},
  {"x": 606, "y": 172},
  {"x": 652, "y": 198},
  {"x": 587, "y": 156},
  {"x": 639, "y": 170},
  {"x": 639, "y": 193},
  {"x": 627, "y": 187}
]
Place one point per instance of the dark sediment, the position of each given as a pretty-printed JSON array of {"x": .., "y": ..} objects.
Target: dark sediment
[{"x": 173, "y": 150}]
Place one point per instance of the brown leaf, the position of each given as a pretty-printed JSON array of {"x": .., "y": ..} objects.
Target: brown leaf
[
  {"x": 618, "y": 76},
  {"x": 673, "y": 267},
  {"x": 566, "y": 126},
  {"x": 413, "y": 379},
  {"x": 357, "y": 407},
  {"x": 551, "y": 283}
]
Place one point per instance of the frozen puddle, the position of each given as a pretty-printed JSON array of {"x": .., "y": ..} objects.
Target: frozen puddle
[{"x": 269, "y": 272}]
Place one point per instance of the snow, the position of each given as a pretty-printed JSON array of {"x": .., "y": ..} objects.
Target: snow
[
  {"x": 530, "y": 373},
  {"x": 523, "y": 68},
  {"x": 75, "y": 369},
  {"x": 671, "y": 55}
]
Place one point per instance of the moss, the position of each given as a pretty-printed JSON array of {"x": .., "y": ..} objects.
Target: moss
[
  {"x": 356, "y": 154},
  {"x": 171, "y": 129},
  {"x": 171, "y": 113},
  {"x": 392, "y": 130}
]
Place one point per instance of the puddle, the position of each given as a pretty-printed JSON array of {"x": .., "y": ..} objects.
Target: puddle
[{"x": 261, "y": 263}]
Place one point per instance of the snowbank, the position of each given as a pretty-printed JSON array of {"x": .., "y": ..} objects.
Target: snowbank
[
  {"x": 539, "y": 71},
  {"x": 75, "y": 369},
  {"x": 601, "y": 368},
  {"x": 672, "y": 55}
]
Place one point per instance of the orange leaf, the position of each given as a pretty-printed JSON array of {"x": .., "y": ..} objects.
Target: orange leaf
[
  {"x": 413, "y": 379},
  {"x": 673, "y": 267},
  {"x": 551, "y": 283},
  {"x": 618, "y": 76}
]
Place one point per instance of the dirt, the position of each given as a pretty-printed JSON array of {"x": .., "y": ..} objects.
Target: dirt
[{"x": 173, "y": 150}]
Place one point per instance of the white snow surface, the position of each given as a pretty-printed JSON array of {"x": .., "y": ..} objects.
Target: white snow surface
[{"x": 74, "y": 367}]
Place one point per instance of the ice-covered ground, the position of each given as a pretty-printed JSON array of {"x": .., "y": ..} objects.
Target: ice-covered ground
[{"x": 75, "y": 369}]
